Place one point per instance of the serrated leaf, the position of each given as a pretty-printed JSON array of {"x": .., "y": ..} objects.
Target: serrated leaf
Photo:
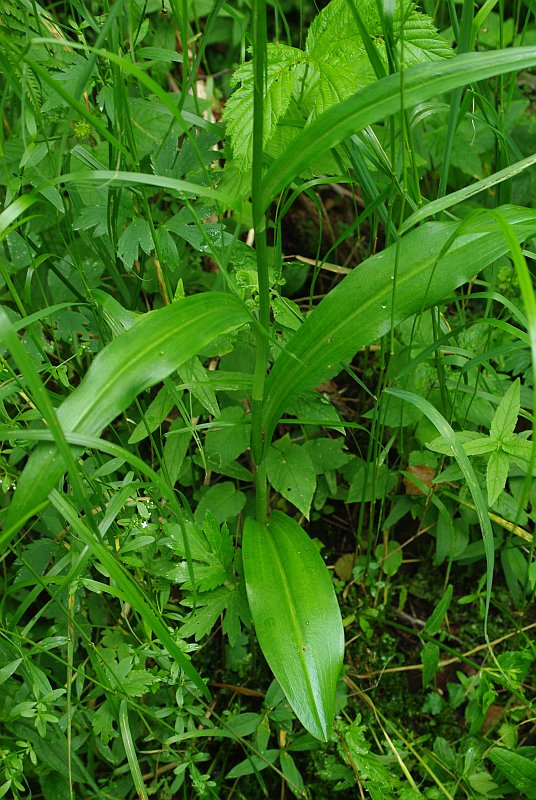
[
  {"x": 296, "y": 617},
  {"x": 496, "y": 474},
  {"x": 363, "y": 306},
  {"x": 291, "y": 473},
  {"x": 144, "y": 355},
  {"x": 504, "y": 420},
  {"x": 102, "y": 723},
  {"x": 210, "y": 605},
  {"x": 381, "y": 99},
  {"x": 238, "y": 117},
  {"x": 340, "y": 56}
]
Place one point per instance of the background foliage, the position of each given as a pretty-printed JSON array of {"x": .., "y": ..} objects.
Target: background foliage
[{"x": 390, "y": 290}]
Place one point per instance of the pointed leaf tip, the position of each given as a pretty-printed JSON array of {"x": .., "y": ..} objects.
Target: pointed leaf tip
[{"x": 296, "y": 617}]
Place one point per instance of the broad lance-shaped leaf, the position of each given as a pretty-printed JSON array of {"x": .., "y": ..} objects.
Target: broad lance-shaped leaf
[
  {"x": 144, "y": 355},
  {"x": 363, "y": 306},
  {"x": 296, "y": 616}
]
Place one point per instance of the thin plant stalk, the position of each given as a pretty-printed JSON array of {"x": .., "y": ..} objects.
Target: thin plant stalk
[{"x": 259, "y": 225}]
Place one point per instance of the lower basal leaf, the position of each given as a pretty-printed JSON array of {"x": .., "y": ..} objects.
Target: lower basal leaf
[{"x": 296, "y": 617}]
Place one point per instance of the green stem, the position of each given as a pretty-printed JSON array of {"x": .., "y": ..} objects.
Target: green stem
[
  {"x": 261, "y": 493},
  {"x": 259, "y": 225}
]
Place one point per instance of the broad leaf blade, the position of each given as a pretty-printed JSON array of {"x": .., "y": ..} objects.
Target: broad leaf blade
[
  {"x": 520, "y": 771},
  {"x": 361, "y": 308},
  {"x": 382, "y": 99},
  {"x": 296, "y": 617},
  {"x": 504, "y": 421},
  {"x": 144, "y": 355},
  {"x": 496, "y": 474}
]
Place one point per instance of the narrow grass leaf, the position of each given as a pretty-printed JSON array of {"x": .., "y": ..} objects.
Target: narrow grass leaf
[
  {"x": 296, "y": 617},
  {"x": 457, "y": 451},
  {"x": 461, "y": 195},
  {"x": 380, "y": 100},
  {"x": 139, "y": 358},
  {"x": 14, "y": 210},
  {"x": 130, "y": 750},
  {"x": 364, "y": 307}
]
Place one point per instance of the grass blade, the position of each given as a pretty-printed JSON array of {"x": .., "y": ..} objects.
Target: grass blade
[{"x": 130, "y": 750}]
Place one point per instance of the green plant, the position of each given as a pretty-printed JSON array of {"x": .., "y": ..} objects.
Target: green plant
[{"x": 151, "y": 356}]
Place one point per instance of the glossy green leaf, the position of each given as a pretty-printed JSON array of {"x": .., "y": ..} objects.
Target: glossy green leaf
[
  {"x": 435, "y": 620},
  {"x": 365, "y": 303},
  {"x": 520, "y": 771},
  {"x": 144, "y": 355},
  {"x": 296, "y": 617},
  {"x": 383, "y": 98}
]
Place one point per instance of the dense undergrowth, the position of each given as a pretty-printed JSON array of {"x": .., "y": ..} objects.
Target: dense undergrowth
[{"x": 268, "y": 339}]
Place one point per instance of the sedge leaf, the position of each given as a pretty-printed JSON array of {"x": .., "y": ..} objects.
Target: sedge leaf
[{"x": 296, "y": 617}]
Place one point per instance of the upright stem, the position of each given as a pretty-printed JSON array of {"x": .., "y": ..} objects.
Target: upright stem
[{"x": 259, "y": 225}]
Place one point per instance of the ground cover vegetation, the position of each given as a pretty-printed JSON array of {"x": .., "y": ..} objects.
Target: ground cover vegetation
[{"x": 268, "y": 337}]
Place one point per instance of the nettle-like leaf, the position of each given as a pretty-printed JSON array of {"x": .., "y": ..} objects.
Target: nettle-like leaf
[
  {"x": 280, "y": 74},
  {"x": 300, "y": 85}
]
